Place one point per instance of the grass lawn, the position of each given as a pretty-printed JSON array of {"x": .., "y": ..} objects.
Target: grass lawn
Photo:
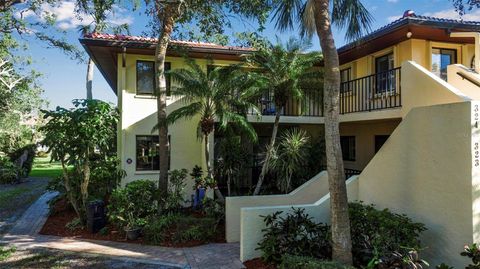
[{"x": 42, "y": 167}]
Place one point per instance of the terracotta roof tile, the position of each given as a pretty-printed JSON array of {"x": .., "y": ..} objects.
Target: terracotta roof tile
[{"x": 151, "y": 40}]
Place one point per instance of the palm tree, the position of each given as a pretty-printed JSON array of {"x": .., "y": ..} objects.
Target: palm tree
[
  {"x": 315, "y": 16},
  {"x": 98, "y": 10},
  {"x": 214, "y": 96},
  {"x": 282, "y": 71}
]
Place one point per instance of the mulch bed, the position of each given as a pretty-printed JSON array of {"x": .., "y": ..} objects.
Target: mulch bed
[
  {"x": 63, "y": 214},
  {"x": 258, "y": 264}
]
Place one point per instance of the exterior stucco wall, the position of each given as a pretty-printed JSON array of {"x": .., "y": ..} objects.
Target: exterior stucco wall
[
  {"x": 307, "y": 193},
  {"x": 465, "y": 85},
  {"x": 365, "y": 133},
  {"x": 138, "y": 117},
  {"x": 252, "y": 224},
  {"x": 425, "y": 171}
]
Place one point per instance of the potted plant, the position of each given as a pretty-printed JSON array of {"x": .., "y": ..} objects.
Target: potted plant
[{"x": 133, "y": 228}]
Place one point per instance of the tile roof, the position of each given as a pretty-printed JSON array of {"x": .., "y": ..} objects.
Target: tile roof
[
  {"x": 410, "y": 17},
  {"x": 151, "y": 40}
]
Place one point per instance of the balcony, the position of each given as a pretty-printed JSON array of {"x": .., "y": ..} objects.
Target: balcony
[
  {"x": 310, "y": 105},
  {"x": 374, "y": 92}
]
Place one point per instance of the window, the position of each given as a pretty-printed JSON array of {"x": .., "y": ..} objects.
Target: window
[
  {"x": 146, "y": 77},
  {"x": 348, "y": 147},
  {"x": 379, "y": 141},
  {"x": 148, "y": 158},
  {"x": 441, "y": 58},
  {"x": 345, "y": 76},
  {"x": 385, "y": 76}
]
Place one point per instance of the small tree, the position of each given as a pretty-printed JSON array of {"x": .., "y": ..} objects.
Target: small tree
[
  {"x": 211, "y": 95},
  {"x": 72, "y": 136},
  {"x": 283, "y": 72}
]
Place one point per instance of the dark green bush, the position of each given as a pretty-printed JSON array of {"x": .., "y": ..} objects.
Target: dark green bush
[
  {"x": 472, "y": 252},
  {"x": 294, "y": 234},
  {"x": 376, "y": 233},
  {"x": 131, "y": 205},
  {"x": 105, "y": 177},
  {"x": 179, "y": 228},
  {"x": 28, "y": 163},
  {"x": 301, "y": 262},
  {"x": 8, "y": 171},
  {"x": 156, "y": 229}
]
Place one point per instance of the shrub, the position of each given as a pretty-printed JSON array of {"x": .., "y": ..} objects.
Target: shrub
[
  {"x": 395, "y": 259},
  {"x": 73, "y": 225},
  {"x": 198, "y": 229},
  {"x": 179, "y": 228},
  {"x": 472, "y": 252},
  {"x": 213, "y": 209},
  {"x": 28, "y": 163},
  {"x": 132, "y": 204},
  {"x": 8, "y": 171},
  {"x": 301, "y": 262},
  {"x": 294, "y": 234},
  {"x": 174, "y": 198},
  {"x": 379, "y": 233},
  {"x": 105, "y": 177},
  {"x": 156, "y": 229}
]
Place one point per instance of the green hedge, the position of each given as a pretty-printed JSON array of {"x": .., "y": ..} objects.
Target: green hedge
[{"x": 27, "y": 165}]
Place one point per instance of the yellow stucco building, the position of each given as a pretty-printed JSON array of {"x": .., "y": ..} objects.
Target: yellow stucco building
[{"x": 408, "y": 126}]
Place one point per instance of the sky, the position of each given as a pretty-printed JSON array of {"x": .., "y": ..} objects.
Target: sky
[{"x": 63, "y": 79}]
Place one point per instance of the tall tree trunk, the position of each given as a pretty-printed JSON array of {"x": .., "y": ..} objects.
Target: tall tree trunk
[
  {"x": 341, "y": 238},
  {"x": 90, "y": 68},
  {"x": 84, "y": 187},
  {"x": 209, "y": 169},
  {"x": 269, "y": 153},
  {"x": 160, "y": 53}
]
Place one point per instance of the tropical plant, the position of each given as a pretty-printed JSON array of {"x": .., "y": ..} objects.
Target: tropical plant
[
  {"x": 130, "y": 206},
  {"x": 301, "y": 262},
  {"x": 176, "y": 190},
  {"x": 98, "y": 10},
  {"x": 212, "y": 96},
  {"x": 232, "y": 159},
  {"x": 211, "y": 18},
  {"x": 72, "y": 135},
  {"x": 283, "y": 72},
  {"x": 294, "y": 234},
  {"x": 317, "y": 16},
  {"x": 289, "y": 157},
  {"x": 378, "y": 234},
  {"x": 472, "y": 252}
]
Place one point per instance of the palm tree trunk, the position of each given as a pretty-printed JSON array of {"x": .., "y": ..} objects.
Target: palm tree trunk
[
  {"x": 269, "y": 154},
  {"x": 218, "y": 193},
  {"x": 160, "y": 54},
  {"x": 341, "y": 238},
  {"x": 90, "y": 68}
]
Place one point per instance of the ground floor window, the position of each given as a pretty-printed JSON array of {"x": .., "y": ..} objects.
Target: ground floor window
[
  {"x": 148, "y": 158},
  {"x": 379, "y": 141},
  {"x": 348, "y": 147}
]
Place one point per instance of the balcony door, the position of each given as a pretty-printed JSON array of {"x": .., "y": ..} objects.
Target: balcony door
[
  {"x": 441, "y": 58},
  {"x": 385, "y": 77}
]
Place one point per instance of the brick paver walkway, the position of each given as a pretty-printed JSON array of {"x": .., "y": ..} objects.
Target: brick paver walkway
[{"x": 25, "y": 235}]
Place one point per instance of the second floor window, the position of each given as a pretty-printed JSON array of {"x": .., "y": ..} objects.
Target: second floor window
[
  {"x": 441, "y": 58},
  {"x": 345, "y": 76},
  {"x": 146, "y": 77},
  {"x": 384, "y": 75}
]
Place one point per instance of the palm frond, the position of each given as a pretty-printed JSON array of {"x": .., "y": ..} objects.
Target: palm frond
[{"x": 352, "y": 15}]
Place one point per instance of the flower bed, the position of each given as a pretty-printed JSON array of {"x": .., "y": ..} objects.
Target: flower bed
[{"x": 58, "y": 222}]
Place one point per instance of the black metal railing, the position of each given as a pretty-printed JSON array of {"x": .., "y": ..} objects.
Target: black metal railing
[
  {"x": 310, "y": 105},
  {"x": 373, "y": 92}
]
